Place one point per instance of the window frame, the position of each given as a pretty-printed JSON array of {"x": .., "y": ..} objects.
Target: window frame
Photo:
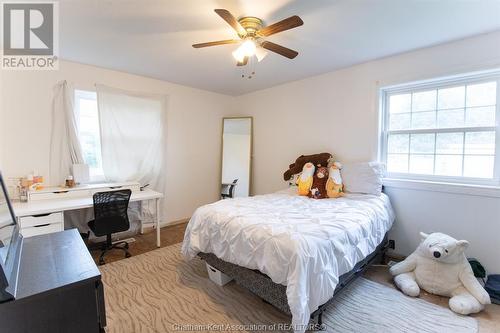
[
  {"x": 440, "y": 83},
  {"x": 89, "y": 94}
]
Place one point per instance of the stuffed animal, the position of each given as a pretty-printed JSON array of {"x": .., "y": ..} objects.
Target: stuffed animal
[
  {"x": 305, "y": 180},
  {"x": 334, "y": 185},
  {"x": 440, "y": 267},
  {"x": 318, "y": 188},
  {"x": 296, "y": 167}
]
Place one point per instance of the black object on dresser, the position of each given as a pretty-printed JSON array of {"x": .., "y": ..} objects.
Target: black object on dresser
[{"x": 59, "y": 288}]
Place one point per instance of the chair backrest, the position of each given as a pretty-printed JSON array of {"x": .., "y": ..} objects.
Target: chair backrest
[
  {"x": 231, "y": 188},
  {"x": 110, "y": 211}
]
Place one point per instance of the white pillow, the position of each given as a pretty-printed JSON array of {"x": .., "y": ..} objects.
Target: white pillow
[{"x": 363, "y": 177}]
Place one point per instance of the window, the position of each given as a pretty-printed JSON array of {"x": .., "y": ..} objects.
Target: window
[
  {"x": 443, "y": 130},
  {"x": 87, "y": 119}
]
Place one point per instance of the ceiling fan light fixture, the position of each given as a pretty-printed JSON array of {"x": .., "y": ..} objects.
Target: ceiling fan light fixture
[
  {"x": 260, "y": 53},
  {"x": 238, "y": 55},
  {"x": 252, "y": 32},
  {"x": 247, "y": 49}
]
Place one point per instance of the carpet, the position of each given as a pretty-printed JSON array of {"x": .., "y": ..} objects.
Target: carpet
[{"x": 160, "y": 292}]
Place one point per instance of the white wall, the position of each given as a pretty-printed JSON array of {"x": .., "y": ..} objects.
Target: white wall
[
  {"x": 338, "y": 112},
  {"x": 334, "y": 112},
  {"x": 193, "y": 128}
]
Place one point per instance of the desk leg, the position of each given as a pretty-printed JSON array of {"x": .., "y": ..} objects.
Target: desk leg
[{"x": 157, "y": 222}]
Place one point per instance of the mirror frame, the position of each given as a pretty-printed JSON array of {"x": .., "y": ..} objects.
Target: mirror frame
[{"x": 250, "y": 161}]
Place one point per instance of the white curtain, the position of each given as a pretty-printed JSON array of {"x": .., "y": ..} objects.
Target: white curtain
[
  {"x": 65, "y": 147},
  {"x": 65, "y": 150},
  {"x": 133, "y": 139}
]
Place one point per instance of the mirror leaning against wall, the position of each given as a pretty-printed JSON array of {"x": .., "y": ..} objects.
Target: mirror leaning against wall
[{"x": 236, "y": 157}]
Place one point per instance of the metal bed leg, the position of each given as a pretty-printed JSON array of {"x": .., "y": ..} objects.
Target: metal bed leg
[{"x": 318, "y": 323}]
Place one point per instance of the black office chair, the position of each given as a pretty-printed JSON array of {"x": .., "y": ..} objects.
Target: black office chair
[
  {"x": 110, "y": 216},
  {"x": 230, "y": 190}
]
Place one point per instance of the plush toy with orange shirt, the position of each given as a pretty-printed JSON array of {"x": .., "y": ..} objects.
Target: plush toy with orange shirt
[
  {"x": 305, "y": 180},
  {"x": 334, "y": 185}
]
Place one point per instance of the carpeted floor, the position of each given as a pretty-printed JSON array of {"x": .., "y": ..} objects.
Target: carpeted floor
[{"x": 159, "y": 292}]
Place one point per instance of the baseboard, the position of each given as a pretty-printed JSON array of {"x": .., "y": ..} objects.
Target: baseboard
[
  {"x": 171, "y": 223},
  {"x": 166, "y": 223}
]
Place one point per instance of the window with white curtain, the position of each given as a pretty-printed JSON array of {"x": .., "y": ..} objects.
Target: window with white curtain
[
  {"x": 87, "y": 121},
  {"x": 443, "y": 129}
]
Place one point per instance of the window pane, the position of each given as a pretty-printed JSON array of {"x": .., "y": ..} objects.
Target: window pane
[
  {"x": 424, "y": 101},
  {"x": 397, "y": 162},
  {"x": 422, "y": 143},
  {"x": 398, "y": 143},
  {"x": 422, "y": 164},
  {"x": 444, "y": 130},
  {"x": 400, "y": 103},
  {"x": 480, "y": 116},
  {"x": 482, "y": 94},
  {"x": 451, "y": 98},
  {"x": 450, "y": 118},
  {"x": 87, "y": 118},
  {"x": 423, "y": 120},
  {"x": 479, "y": 166},
  {"x": 480, "y": 143},
  {"x": 449, "y": 143},
  {"x": 448, "y": 165},
  {"x": 399, "y": 121}
]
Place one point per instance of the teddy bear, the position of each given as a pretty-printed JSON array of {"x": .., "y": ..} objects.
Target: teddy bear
[
  {"x": 295, "y": 168},
  {"x": 334, "y": 185},
  {"x": 318, "y": 187},
  {"x": 305, "y": 180},
  {"x": 439, "y": 266}
]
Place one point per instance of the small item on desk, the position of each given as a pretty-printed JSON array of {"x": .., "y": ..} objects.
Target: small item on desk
[
  {"x": 23, "y": 192},
  {"x": 28, "y": 180},
  {"x": 70, "y": 182},
  {"x": 36, "y": 181},
  {"x": 143, "y": 187}
]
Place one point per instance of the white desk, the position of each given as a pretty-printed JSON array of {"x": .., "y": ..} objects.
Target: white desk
[{"x": 60, "y": 205}]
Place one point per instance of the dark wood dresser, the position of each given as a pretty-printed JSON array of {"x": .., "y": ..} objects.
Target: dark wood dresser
[{"x": 59, "y": 288}]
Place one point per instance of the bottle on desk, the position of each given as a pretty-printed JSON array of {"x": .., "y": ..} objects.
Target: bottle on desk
[{"x": 70, "y": 182}]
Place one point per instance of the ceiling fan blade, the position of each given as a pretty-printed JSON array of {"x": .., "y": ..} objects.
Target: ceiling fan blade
[
  {"x": 286, "y": 24},
  {"x": 231, "y": 20},
  {"x": 242, "y": 63},
  {"x": 219, "y": 42},
  {"x": 284, "y": 51}
]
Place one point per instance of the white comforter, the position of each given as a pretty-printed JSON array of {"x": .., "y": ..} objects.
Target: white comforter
[{"x": 302, "y": 243}]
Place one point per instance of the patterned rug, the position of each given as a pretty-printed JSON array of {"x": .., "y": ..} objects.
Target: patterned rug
[{"x": 159, "y": 292}]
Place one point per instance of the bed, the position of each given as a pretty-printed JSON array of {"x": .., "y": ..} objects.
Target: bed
[{"x": 295, "y": 246}]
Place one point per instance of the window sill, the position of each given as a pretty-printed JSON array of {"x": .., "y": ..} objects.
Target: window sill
[{"x": 424, "y": 185}]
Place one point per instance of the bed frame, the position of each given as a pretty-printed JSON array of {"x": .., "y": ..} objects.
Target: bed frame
[{"x": 275, "y": 294}]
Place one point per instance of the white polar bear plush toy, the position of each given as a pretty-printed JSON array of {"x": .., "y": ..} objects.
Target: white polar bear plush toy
[{"x": 440, "y": 267}]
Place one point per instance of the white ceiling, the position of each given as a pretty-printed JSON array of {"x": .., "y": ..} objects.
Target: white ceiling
[{"x": 154, "y": 37}]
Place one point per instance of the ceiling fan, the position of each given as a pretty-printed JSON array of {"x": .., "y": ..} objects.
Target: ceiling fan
[{"x": 251, "y": 32}]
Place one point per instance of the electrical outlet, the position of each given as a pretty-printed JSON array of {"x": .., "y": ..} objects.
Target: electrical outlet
[{"x": 392, "y": 244}]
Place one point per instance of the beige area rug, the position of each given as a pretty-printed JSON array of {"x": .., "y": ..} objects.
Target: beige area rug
[{"x": 159, "y": 292}]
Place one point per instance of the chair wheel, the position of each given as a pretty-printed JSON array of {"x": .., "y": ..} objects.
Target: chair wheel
[
  {"x": 128, "y": 255},
  {"x": 101, "y": 262}
]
